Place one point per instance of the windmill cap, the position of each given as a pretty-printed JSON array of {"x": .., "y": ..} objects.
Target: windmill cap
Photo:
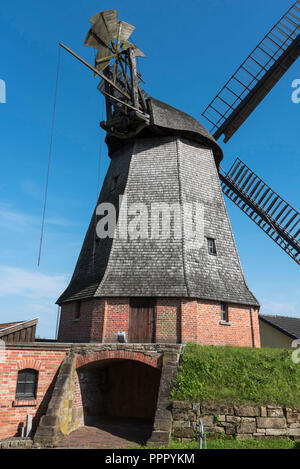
[
  {"x": 167, "y": 120},
  {"x": 178, "y": 122}
]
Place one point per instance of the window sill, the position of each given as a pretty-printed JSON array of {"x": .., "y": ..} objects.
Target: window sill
[
  {"x": 24, "y": 403},
  {"x": 225, "y": 323},
  {"x": 76, "y": 320}
]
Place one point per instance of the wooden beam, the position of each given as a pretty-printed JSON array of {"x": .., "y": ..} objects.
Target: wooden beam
[
  {"x": 96, "y": 71},
  {"x": 134, "y": 80}
]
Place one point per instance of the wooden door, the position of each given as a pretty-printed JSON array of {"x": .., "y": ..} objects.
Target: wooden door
[{"x": 141, "y": 321}]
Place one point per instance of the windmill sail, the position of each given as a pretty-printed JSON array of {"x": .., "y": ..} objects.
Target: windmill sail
[
  {"x": 257, "y": 75},
  {"x": 264, "y": 206}
]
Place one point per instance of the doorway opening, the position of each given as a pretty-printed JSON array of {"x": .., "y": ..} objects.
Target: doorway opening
[{"x": 142, "y": 320}]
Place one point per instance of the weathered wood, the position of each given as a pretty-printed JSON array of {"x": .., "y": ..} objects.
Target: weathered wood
[
  {"x": 141, "y": 320},
  {"x": 134, "y": 80},
  {"x": 95, "y": 71}
]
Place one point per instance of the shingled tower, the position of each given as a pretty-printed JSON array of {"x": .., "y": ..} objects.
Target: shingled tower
[{"x": 153, "y": 287}]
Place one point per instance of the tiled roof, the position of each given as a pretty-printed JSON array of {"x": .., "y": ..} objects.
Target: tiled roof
[{"x": 288, "y": 325}]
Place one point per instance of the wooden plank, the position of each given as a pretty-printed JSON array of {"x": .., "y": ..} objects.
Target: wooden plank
[{"x": 141, "y": 320}]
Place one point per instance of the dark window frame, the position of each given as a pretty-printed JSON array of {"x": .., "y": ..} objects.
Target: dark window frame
[
  {"x": 211, "y": 246},
  {"x": 224, "y": 312},
  {"x": 27, "y": 382},
  {"x": 114, "y": 182},
  {"x": 77, "y": 313}
]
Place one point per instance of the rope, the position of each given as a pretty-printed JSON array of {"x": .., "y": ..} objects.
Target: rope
[{"x": 49, "y": 158}]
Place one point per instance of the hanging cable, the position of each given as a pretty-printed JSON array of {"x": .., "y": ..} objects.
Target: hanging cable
[
  {"x": 98, "y": 183},
  {"x": 49, "y": 158}
]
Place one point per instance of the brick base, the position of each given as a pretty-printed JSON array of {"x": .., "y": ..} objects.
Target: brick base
[{"x": 177, "y": 320}]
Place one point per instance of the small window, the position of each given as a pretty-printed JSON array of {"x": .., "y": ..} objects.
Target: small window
[
  {"x": 224, "y": 312},
  {"x": 211, "y": 246},
  {"x": 77, "y": 309},
  {"x": 27, "y": 384},
  {"x": 114, "y": 183}
]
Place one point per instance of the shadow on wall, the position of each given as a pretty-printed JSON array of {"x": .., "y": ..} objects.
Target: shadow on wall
[
  {"x": 40, "y": 411},
  {"x": 118, "y": 389}
]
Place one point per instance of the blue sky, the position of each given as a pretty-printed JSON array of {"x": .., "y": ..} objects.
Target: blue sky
[{"x": 192, "y": 48}]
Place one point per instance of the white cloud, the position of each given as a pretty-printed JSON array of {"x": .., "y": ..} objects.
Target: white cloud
[
  {"x": 280, "y": 308},
  {"x": 30, "y": 284},
  {"x": 16, "y": 220}
]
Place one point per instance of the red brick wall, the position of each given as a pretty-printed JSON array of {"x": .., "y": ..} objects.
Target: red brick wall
[
  {"x": 88, "y": 327},
  {"x": 177, "y": 320},
  {"x": 116, "y": 318},
  {"x": 13, "y": 413},
  {"x": 168, "y": 320},
  {"x": 238, "y": 332}
]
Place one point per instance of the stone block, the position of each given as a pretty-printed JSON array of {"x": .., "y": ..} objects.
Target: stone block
[
  {"x": 274, "y": 411},
  {"x": 271, "y": 422},
  {"x": 243, "y": 436},
  {"x": 208, "y": 420},
  {"x": 159, "y": 437},
  {"x": 183, "y": 433},
  {"x": 181, "y": 424},
  {"x": 216, "y": 409},
  {"x": 276, "y": 431},
  {"x": 293, "y": 432},
  {"x": 179, "y": 414},
  {"x": 196, "y": 408},
  {"x": 163, "y": 425},
  {"x": 248, "y": 419},
  {"x": 247, "y": 411},
  {"x": 263, "y": 411},
  {"x": 186, "y": 405},
  {"x": 214, "y": 430},
  {"x": 233, "y": 418},
  {"x": 246, "y": 427},
  {"x": 292, "y": 417}
]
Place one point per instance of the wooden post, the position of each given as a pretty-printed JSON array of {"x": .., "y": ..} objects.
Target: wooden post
[
  {"x": 134, "y": 80},
  {"x": 107, "y": 99}
]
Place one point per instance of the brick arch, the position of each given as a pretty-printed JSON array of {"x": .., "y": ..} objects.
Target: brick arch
[
  {"x": 155, "y": 362},
  {"x": 28, "y": 363}
]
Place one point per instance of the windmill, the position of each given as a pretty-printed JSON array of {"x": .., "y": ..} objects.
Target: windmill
[
  {"x": 230, "y": 108},
  {"x": 159, "y": 153}
]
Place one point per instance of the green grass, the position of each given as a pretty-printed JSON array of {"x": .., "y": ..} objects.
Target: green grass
[
  {"x": 237, "y": 375},
  {"x": 231, "y": 443}
]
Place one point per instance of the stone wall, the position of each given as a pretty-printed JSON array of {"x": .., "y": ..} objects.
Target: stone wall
[
  {"x": 244, "y": 422},
  {"x": 66, "y": 409}
]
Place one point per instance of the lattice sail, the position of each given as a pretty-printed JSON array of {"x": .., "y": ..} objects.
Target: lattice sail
[
  {"x": 257, "y": 75},
  {"x": 264, "y": 206}
]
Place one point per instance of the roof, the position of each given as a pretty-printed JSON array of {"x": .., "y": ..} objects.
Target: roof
[
  {"x": 285, "y": 324},
  {"x": 9, "y": 324},
  {"x": 167, "y": 120},
  {"x": 165, "y": 170},
  {"x": 22, "y": 331}
]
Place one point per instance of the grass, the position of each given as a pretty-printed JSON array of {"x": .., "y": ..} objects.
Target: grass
[
  {"x": 238, "y": 375},
  {"x": 231, "y": 443}
]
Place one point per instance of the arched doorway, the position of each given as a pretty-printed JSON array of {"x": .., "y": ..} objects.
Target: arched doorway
[{"x": 119, "y": 397}]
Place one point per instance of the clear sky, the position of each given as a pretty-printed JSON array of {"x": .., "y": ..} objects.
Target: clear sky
[{"x": 192, "y": 48}]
